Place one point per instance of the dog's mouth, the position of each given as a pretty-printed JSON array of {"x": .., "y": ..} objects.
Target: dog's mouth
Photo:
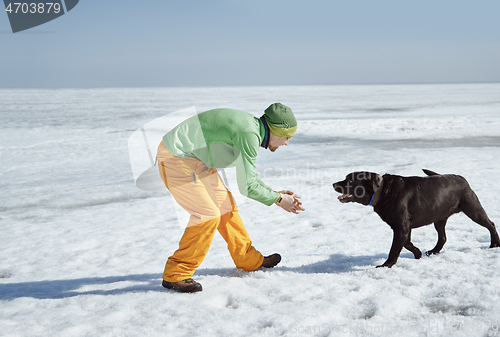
[{"x": 345, "y": 198}]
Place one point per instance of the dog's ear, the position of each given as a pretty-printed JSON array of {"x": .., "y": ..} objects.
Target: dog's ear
[{"x": 377, "y": 181}]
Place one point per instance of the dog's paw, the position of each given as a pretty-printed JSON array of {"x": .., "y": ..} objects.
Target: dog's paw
[
  {"x": 495, "y": 245},
  {"x": 431, "y": 252},
  {"x": 386, "y": 265}
]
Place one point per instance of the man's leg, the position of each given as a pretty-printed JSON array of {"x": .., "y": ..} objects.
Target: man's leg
[
  {"x": 232, "y": 229},
  {"x": 244, "y": 254},
  {"x": 187, "y": 180},
  {"x": 193, "y": 248}
]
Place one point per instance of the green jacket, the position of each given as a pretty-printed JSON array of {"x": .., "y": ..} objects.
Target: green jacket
[{"x": 223, "y": 138}]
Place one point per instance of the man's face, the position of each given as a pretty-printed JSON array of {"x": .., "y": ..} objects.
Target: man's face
[{"x": 275, "y": 142}]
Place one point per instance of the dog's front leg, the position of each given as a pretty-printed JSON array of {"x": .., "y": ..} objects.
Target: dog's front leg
[
  {"x": 399, "y": 239},
  {"x": 411, "y": 247}
]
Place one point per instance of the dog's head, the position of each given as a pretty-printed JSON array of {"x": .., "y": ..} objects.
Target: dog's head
[{"x": 358, "y": 187}]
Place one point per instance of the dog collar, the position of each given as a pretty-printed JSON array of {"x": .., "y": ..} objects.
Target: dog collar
[
  {"x": 376, "y": 195},
  {"x": 373, "y": 196}
]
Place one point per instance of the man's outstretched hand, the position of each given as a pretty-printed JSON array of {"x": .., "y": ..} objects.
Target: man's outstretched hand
[{"x": 290, "y": 202}]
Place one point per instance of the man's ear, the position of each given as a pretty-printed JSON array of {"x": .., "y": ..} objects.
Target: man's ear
[{"x": 377, "y": 181}]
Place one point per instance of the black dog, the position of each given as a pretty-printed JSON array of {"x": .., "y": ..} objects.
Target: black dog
[{"x": 405, "y": 203}]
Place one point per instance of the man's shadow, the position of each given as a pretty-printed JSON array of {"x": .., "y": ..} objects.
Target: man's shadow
[
  {"x": 54, "y": 289},
  {"x": 116, "y": 285}
]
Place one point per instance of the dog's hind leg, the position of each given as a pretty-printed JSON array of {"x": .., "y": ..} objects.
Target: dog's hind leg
[
  {"x": 416, "y": 252},
  {"x": 440, "y": 228},
  {"x": 471, "y": 206}
]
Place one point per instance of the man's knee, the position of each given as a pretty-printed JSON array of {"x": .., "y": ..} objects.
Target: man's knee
[{"x": 206, "y": 217}]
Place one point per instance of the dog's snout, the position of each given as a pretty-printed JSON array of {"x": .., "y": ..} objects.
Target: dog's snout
[{"x": 338, "y": 188}]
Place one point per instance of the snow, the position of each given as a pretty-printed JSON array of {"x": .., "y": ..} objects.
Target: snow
[{"x": 82, "y": 249}]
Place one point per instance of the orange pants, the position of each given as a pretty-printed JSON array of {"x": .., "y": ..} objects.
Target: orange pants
[{"x": 201, "y": 192}]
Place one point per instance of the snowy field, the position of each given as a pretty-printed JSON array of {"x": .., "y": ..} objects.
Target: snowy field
[{"x": 82, "y": 249}]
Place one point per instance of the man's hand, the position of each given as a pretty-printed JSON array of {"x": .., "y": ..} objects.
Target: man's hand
[{"x": 290, "y": 202}]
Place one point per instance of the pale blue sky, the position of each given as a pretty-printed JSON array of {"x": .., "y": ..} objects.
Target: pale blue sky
[{"x": 212, "y": 43}]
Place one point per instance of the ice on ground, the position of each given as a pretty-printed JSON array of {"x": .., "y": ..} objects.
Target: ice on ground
[{"x": 82, "y": 249}]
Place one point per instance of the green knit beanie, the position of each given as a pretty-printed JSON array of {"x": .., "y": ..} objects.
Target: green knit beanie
[{"x": 280, "y": 119}]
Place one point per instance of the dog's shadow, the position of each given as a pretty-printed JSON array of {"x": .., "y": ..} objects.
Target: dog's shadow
[
  {"x": 337, "y": 263},
  {"x": 116, "y": 285}
]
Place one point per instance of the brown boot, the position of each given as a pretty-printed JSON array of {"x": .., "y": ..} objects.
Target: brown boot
[
  {"x": 271, "y": 260},
  {"x": 185, "y": 286}
]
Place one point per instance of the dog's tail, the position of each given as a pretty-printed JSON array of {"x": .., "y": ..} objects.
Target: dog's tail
[{"x": 430, "y": 173}]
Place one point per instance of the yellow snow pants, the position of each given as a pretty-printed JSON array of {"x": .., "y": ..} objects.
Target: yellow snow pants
[{"x": 201, "y": 192}]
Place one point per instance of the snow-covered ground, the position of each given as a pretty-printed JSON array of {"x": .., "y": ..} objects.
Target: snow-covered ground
[{"x": 82, "y": 249}]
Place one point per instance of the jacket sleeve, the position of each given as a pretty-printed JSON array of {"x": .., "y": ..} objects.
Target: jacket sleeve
[{"x": 249, "y": 184}]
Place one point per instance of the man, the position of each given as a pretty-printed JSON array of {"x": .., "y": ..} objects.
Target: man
[{"x": 188, "y": 157}]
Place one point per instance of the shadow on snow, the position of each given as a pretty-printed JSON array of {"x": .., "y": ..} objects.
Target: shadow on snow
[{"x": 56, "y": 289}]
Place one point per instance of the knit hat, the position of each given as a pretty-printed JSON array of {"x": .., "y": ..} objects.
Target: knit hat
[{"x": 280, "y": 119}]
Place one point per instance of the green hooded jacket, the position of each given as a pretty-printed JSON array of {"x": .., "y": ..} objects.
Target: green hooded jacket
[{"x": 223, "y": 138}]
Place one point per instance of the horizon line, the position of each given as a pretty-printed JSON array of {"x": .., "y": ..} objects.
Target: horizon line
[{"x": 249, "y": 85}]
